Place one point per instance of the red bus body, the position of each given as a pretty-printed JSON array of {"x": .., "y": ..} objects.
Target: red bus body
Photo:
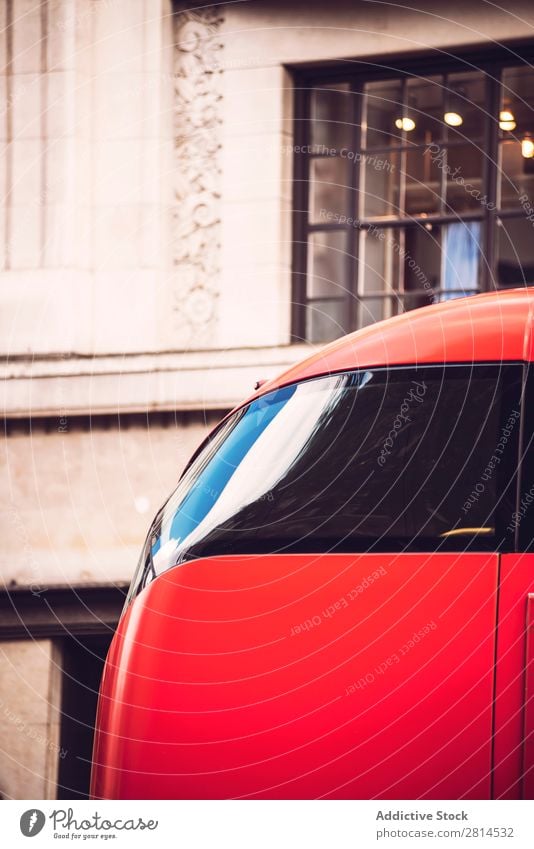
[{"x": 341, "y": 674}]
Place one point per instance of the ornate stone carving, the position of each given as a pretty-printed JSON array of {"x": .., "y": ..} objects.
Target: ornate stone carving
[{"x": 196, "y": 217}]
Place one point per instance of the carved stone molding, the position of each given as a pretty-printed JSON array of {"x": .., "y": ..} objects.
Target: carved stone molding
[{"x": 197, "y": 135}]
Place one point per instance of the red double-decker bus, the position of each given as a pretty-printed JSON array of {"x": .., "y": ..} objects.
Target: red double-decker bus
[{"x": 335, "y": 601}]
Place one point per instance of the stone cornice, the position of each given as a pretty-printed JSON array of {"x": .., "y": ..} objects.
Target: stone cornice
[{"x": 191, "y": 380}]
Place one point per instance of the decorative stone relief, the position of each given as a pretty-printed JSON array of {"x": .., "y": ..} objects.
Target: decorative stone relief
[{"x": 197, "y": 134}]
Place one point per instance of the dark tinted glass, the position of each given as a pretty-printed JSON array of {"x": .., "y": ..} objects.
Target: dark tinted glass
[
  {"x": 522, "y": 521},
  {"x": 373, "y": 460}
]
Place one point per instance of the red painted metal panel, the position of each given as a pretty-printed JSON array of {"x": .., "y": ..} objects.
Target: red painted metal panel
[
  {"x": 492, "y": 327},
  {"x": 528, "y": 736},
  {"x": 302, "y": 676},
  {"x": 516, "y": 579}
]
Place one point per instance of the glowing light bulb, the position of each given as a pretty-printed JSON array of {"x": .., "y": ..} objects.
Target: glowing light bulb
[
  {"x": 507, "y": 120},
  {"x": 453, "y": 119},
  {"x": 406, "y": 124},
  {"x": 527, "y": 147}
]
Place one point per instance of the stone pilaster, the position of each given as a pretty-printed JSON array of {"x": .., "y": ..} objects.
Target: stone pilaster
[{"x": 197, "y": 134}]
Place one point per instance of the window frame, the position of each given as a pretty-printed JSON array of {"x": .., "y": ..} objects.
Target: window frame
[{"x": 491, "y": 61}]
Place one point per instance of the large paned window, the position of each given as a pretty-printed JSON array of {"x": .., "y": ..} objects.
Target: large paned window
[{"x": 410, "y": 188}]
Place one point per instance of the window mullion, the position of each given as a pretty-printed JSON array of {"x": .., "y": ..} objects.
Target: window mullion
[
  {"x": 354, "y": 239},
  {"x": 491, "y": 165},
  {"x": 301, "y": 177}
]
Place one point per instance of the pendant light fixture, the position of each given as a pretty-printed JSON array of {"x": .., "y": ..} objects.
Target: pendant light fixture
[
  {"x": 507, "y": 121},
  {"x": 527, "y": 146}
]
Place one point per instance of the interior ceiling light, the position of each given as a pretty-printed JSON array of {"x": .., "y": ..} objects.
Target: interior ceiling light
[
  {"x": 527, "y": 147},
  {"x": 406, "y": 124},
  {"x": 453, "y": 119},
  {"x": 507, "y": 120}
]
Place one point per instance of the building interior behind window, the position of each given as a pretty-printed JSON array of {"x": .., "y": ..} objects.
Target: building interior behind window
[{"x": 416, "y": 190}]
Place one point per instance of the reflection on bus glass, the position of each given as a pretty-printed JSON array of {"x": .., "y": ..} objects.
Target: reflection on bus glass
[{"x": 363, "y": 460}]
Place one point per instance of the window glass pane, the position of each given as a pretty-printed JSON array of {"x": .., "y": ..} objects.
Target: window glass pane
[
  {"x": 515, "y": 252},
  {"x": 379, "y": 261},
  {"x": 331, "y": 116},
  {"x": 516, "y": 176},
  {"x": 327, "y": 263},
  {"x": 464, "y": 179},
  {"x": 424, "y": 105},
  {"x": 517, "y": 99},
  {"x": 516, "y": 127},
  {"x": 423, "y": 180},
  {"x": 380, "y": 185},
  {"x": 329, "y": 187},
  {"x": 460, "y": 259},
  {"x": 466, "y": 101},
  {"x": 326, "y": 320},
  {"x": 322, "y": 465},
  {"x": 422, "y": 260},
  {"x": 394, "y": 260},
  {"x": 372, "y": 310},
  {"x": 382, "y": 107},
  {"x": 414, "y": 300}
]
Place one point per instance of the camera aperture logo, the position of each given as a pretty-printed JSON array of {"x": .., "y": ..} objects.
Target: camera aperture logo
[
  {"x": 32, "y": 822},
  {"x": 66, "y": 826}
]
